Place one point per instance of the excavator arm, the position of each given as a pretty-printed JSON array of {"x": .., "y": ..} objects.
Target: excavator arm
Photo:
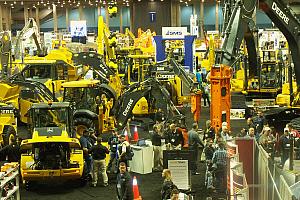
[
  {"x": 5, "y": 51},
  {"x": 95, "y": 62},
  {"x": 235, "y": 31},
  {"x": 30, "y": 30},
  {"x": 154, "y": 91},
  {"x": 42, "y": 92}
]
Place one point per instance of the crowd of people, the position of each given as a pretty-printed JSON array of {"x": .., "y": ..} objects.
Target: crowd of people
[{"x": 270, "y": 139}]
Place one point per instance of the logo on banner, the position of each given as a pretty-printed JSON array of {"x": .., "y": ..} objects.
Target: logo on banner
[
  {"x": 280, "y": 13},
  {"x": 174, "y": 32},
  {"x": 125, "y": 112}
]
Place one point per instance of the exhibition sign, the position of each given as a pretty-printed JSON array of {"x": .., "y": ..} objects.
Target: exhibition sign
[
  {"x": 78, "y": 28},
  {"x": 173, "y": 33}
]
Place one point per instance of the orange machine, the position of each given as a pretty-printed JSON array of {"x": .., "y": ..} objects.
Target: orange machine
[
  {"x": 196, "y": 104},
  {"x": 220, "y": 96}
]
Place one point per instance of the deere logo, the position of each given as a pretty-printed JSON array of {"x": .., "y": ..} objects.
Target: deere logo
[
  {"x": 6, "y": 112},
  {"x": 125, "y": 112},
  {"x": 174, "y": 33},
  {"x": 280, "y": 13}
]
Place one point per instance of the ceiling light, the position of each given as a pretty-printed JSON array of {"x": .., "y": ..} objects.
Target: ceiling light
[
  {"x": 22, "y": 2},
  {"x": 15, "y": 2},
  {"x": 5, "y": 3}
]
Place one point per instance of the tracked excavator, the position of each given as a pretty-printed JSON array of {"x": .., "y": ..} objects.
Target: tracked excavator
[{"x": 237, "y": 27}]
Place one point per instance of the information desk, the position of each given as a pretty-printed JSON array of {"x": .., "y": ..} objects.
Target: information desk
[{"x": 142, "y": 160}]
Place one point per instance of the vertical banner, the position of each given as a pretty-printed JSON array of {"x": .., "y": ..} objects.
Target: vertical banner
[{"x": 246, "y": 151}]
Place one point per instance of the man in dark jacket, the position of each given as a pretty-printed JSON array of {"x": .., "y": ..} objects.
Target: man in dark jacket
[
  {"x": 124, "y": 183},
  {"x": 175, "y": 138},
  {"x": 99, "y": 152},
  {"x": 113, "y": 142},
  {"x": 157, "y": 150},
  {"x": 209, "y": 132},
  {"x": 194, "y": 144},
  {"x": 86, "y": 144},
  {"x": 284, "y": 142}
]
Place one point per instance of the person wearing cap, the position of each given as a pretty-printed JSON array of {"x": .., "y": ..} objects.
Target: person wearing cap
[
  {"x": 86, "y": 144},
  {"x": 284, "y": 143},
  {"x": 113, "y": 143},
  {"x": 99, "y": 152},
  {"x": 266, "y": 138}
]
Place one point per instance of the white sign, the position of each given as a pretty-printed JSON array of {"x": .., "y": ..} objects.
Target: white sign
[
  {"x": 173, "y": 33},
  {"x": 212, "y": 32},
  {"x": 78, "y": 28},
  {"x": 179, "y": 171},
  {"x": 237, "y": 113}
]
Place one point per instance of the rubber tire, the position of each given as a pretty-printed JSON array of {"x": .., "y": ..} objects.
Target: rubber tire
[
  {"x": 86, "y": 123},
  {"x": 296, "y": 123},
  {"x": 7, "y": 133}
]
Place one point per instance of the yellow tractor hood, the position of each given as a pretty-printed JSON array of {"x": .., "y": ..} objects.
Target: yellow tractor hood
[
  {"x": 80, "y": 84},
  {"x": 37, "y": 137}
]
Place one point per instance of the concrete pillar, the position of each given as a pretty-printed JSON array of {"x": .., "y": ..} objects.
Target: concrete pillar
[
  {"x": 25, "y": 14},
  {"x": 67, "y": 18},
  {"x": 121, "y": 19},
  {"x": 178, "y": 8},
  {"x": 1, "y": 23},
  {"x": 201, "y": 24},
  {"x": 9, "y": 19},
  {"x": 6, "y": 17},
  {"x": 132, "y": 15},
  {"x": 99, "y": 11},
  {"x": 80, "y": 9},
  {"x": 37, "y": 18},
  {"x": 55, "y": 25},
  {"x": 106, "y": 15},
  {"x": 217, "y": 16},
  {"x": 30, "y": 13},
  {"x": 174, "y": 13}
]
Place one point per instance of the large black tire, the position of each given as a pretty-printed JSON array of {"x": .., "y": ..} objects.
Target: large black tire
[
  {"x": 81, "y": 124},
  {"x": 8, "y": 134},
  {"x": 296, "y": 123}
]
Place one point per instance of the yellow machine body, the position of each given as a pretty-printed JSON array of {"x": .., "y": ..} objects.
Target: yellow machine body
[
  {"x": 8, "y": 124},
  {"x": 27, "y": 164}
]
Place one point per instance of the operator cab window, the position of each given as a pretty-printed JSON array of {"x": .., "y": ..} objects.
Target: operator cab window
[{"x": 37, "y": 72}]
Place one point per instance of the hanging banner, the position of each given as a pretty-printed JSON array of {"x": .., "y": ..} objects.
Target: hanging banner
[
  {"x": 173, "y": 33},
  {"x": 78, "y": 28}
]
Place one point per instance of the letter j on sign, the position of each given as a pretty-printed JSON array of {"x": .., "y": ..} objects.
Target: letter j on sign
[{"x": 152, "y": 16}]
